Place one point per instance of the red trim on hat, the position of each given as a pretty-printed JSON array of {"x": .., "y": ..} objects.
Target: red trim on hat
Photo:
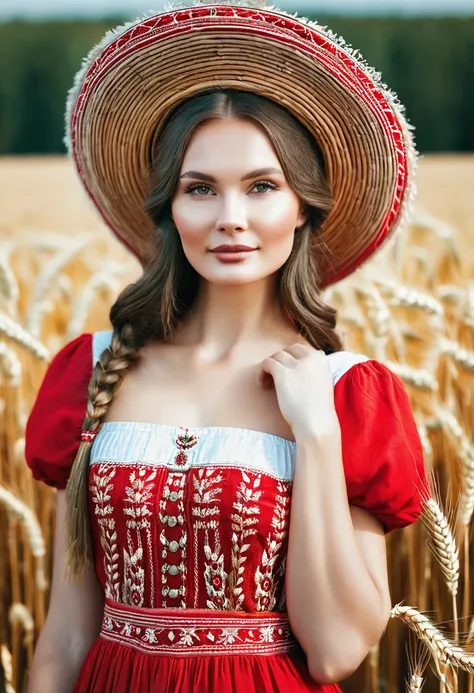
[{"x": 279, "y": 28}]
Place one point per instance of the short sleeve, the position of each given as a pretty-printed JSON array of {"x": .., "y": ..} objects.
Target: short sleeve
[
  {"x": 382, "y": 452},
  {"x": 54, "y": 426}
]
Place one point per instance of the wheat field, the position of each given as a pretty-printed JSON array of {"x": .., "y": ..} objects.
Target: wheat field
[{"x": 412, "y": 308}]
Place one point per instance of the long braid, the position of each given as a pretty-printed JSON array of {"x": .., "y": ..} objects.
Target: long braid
[{"x": 107, "y": 376}]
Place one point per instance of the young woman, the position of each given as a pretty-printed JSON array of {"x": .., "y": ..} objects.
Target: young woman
[{"x": 230, "y": 472}]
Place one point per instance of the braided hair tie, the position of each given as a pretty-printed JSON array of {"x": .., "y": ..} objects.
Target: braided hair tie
[{"x": 88, "y": 436}]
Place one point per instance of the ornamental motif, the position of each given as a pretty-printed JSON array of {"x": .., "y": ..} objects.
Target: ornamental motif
[
  {"x": 207, "y": 485},
  {"x": 173, "y": 538},
  {"x": 265, "y": 576},
  {"x": 212, "y": 538},
  {"x": 184, "y": 442},
  {"x": 244, "y": 521},
  {"x": 191, "y": 632},
  {"x": 138, "y": 509},
  {"x": 101, "y": 490}
]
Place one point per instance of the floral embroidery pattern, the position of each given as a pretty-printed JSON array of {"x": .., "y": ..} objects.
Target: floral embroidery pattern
[
  {"x": 243, "y": 525},
  {"x": 101, "y": 489},
  {"x": 207, "y": 489},
  {"x": 265, "y": 576},
  {"x": 188, "y": 632},
  {"x": 138, "y": 504},
  {"x": 214, "y": 538}
]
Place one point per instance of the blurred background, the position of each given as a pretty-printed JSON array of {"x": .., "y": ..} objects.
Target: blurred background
[
  {"x": 424, "y": 49},
  {"x": 411, "y": 308}
]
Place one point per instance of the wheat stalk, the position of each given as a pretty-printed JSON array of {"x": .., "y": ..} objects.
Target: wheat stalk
[
  {"x": 33, "y": 530},
  {"x": 9, "y": 290},
  {"x": 408, "y": 297},
  {"x": 443, "y": 547},
  {"x": 19, "y": 614},
  {"x": 461, "y": 356},
  {"x": 17, "y": 334},
  {"x": 47, "y": 281},
  {"x": 10, "y": 366},
  {"x": 417, "y": 377},
  {"x": 88, "y": 295},
  {"x": 466, "y": 454},
  {"x": 425, "y": 440},
  {"x": 441, "y": 647},
  {"x": 442, "y": 542}
]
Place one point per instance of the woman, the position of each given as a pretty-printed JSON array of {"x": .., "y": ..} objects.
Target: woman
[{"x": 245, "y": 181}]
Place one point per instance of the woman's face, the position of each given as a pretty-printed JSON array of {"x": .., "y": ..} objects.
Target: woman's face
[{"x": 232, "y": 192}]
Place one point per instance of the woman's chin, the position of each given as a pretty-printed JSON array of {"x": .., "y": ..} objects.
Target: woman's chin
[{"x": 233, "y": 279}]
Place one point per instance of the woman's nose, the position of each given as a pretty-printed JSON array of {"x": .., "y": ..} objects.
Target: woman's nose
[{"x": 232, "y": 216}]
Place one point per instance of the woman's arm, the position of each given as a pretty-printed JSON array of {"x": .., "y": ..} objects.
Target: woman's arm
[
  {"x": 336, "y": 577},
  {"x": 72, "y": 624}
]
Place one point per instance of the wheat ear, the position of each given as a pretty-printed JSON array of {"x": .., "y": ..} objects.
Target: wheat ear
[
  {"x": 443, "y": 546},
  {"x": 418, "y": 658},
  {"x": 16, "y": 333},
  {"x": 442, "y": 542},
  {"x": 444, "y": 651}
]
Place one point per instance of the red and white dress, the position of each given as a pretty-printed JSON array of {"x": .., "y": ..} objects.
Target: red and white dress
[{"x": 190, "y": 527}]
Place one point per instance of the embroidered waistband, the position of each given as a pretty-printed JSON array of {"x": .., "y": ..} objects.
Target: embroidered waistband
[{"x": 178, "y": 632}]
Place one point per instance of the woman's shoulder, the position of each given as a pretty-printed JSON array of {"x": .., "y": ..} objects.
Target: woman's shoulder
[
  {"x": 382, "y": 452},
  {"x": 99, "y": 342},
  {"x": 355, "y": 371},
  {"x": 342, "y": 362},
  {"x": 54, "y": 426}
]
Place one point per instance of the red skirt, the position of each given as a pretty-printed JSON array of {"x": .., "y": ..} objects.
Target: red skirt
[{"x": 194, "y": 651}]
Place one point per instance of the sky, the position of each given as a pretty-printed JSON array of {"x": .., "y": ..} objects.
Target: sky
[{"x": 48, "y": 8}]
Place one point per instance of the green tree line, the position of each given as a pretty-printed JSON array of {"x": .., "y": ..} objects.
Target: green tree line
[{"x": 429, "y": 62}]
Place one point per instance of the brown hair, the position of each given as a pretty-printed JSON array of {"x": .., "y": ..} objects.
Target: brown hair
[{"x": 153, "y": 306}]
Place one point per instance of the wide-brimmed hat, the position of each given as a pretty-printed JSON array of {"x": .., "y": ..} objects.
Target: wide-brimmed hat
[{"x": 141, "y": 70}]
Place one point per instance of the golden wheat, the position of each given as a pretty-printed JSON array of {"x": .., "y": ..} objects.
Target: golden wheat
[
  {"x": 412, "y": 308},
  {"x": 442, "y": 542},
  {"x": 444, "y": 651}
]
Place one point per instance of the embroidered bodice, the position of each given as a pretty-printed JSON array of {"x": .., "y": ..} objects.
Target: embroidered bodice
[
  {"x": 200, "y": 518},
  {"x": 193, "y": 519}
]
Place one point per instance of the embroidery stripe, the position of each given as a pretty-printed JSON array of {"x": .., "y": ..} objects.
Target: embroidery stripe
[{"x": 194, "y": 632}]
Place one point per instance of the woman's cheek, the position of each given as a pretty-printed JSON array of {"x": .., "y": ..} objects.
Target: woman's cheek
[
  {"x": 280, "y": 215},
  {"x": 192, "y": 223}
]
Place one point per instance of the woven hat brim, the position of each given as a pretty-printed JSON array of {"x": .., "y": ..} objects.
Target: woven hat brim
[{"x": 129, "y": 84}]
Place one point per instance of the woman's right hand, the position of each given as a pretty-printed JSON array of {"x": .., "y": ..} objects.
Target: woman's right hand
[{"x": 73, "y": 622}]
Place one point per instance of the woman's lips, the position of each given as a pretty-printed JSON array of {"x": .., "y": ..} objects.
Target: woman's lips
[{"x": 232, "y": 253}]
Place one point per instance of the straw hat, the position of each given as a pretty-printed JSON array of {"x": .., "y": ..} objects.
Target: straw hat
[{"x": 141, "y": 70}]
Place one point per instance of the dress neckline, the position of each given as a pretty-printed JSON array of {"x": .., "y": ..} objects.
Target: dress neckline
[{"x": 199, "y": 430}]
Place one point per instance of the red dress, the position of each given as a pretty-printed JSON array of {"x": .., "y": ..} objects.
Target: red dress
[{"x": 190, "y": 527}]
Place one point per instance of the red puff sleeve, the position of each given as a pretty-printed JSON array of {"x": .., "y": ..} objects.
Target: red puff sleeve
[
  {"x": 54, "y": 427},
  {"x": 382, "y": 453}
]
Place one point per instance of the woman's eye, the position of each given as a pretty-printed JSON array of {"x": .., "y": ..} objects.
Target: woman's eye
[
  {"x": 199, "y": 189},
  {"x": 264, "y": 186}
]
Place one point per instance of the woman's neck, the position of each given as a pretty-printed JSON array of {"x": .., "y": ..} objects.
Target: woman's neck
[{"x": 226, "y": 318}]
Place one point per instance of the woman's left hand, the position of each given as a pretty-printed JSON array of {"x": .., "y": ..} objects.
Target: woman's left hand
[{"x": 304, "y": 388}]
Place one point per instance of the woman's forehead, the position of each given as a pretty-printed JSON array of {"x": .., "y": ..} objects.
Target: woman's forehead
[{"x": 230, "y": 144}]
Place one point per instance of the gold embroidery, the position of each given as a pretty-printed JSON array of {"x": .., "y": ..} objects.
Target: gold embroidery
[
  {"x": 206, "y": 499},
  {"x": 243, "y": 526},
  {"x": 138, "y": 505},
  {"x": 265, "y": 576},
  {"x": 101, "y": 490},
  {"x": 173, "y": 538}
]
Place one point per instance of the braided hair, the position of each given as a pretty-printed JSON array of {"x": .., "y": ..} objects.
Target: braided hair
[{"x": 107, "y": 376}]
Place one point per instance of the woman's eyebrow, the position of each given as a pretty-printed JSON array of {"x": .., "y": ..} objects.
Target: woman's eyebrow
[
  {"x": 263, "y": 172},
  {"x": 199, "y": 175}
]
